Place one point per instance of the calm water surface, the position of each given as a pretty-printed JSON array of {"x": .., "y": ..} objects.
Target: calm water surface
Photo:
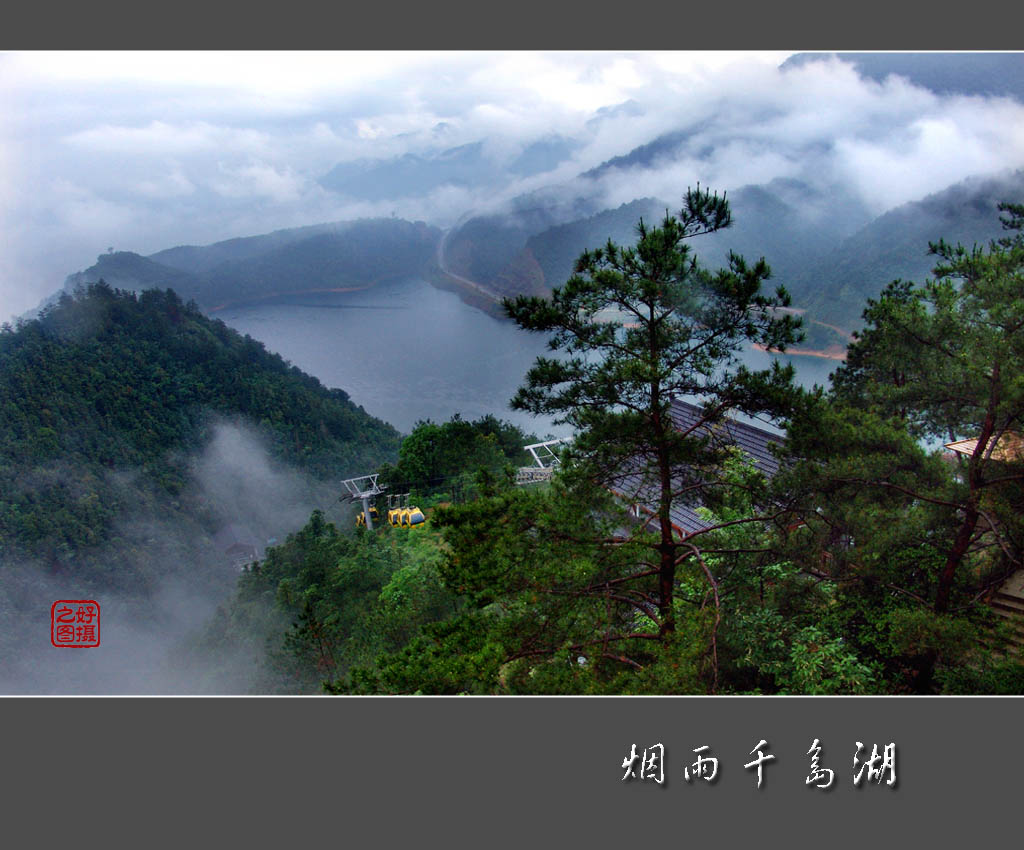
[
  {"x": 408, "y": 351},
  {"x": 405, "y": 351}
]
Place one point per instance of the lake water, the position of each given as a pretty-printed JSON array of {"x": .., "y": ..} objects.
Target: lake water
[{"x": 408, "y": 351}]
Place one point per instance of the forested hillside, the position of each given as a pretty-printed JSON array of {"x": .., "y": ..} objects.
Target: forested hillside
[
  {"x": 332, "y": 599},
  {"x": 895, "y": 245},
  {"x": 106, "y": 398},
  {"x": 557, "y": 248},
  {"x": 823, "y": 246},
  {"x": 864, "y": 565}
]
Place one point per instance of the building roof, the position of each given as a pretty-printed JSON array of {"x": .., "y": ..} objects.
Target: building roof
[
  {"x": 686, "y": 417},
  {"x": 232, "y": 536},
  {"x": 753, "y": 440},
  {"x": 1009, "y": 447}
]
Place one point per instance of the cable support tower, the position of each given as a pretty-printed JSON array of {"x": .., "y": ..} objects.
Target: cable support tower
[
  {"x": 545, "y": 461},
  {"x": 363, "y": 489}
]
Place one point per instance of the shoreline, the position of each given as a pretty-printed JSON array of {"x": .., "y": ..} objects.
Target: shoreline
[
  {"x": 474, "y": 295},
  {"x": 469, "y": 293},
  {"x": 258, "y": 298},
  {"x": 830, "y": 353}
]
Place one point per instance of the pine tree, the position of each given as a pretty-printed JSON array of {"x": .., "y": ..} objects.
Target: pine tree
[
  {"x": 940, "y": 362},
  {"x": 639, "y": 326}
]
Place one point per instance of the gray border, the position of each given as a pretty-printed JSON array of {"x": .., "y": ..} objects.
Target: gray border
[
  {"x": 473, "y": 772},
  {"x": 529, "y": 24},
  {"x": 480, "y": 772}
]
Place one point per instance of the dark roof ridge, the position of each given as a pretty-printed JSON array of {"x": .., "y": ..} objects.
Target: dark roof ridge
[{"x": 752, "y": 440}]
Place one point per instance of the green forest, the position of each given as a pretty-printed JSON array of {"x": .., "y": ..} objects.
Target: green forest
[
  {"x": 865, "y": 565},
  {"x": 105, "y": 397}
]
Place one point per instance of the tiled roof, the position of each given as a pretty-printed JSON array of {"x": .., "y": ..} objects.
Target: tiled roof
[
  {"x": 754, "y": 441},
  {"x": 686, "y": 417}
]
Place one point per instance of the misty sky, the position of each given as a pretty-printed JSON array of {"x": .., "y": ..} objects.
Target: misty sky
[{"x": 144, "y": 151}]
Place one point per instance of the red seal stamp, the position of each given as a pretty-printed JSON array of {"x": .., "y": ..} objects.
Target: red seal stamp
[{"x": 75, "y": 622}]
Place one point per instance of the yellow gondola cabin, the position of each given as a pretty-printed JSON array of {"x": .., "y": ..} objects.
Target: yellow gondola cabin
[
  {"x": 406, "y": 517},
  {"x": 361, "y": 517}
]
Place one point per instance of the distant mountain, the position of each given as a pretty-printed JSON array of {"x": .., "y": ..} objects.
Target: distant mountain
[
  {"x": 414, "y": 175},
  {"x": 895, "y": 245},
  {"x": 788, "y": 222},
  {"x": 410, "y": 175},
  {"x": 557, "y": 248},
  {"x": 329, "y": 256},
  {"x": 660, "y": 151},
  {"x": 197, "y": 259},
  {"x": 821, "y": 244},
  {"x": 626, "y": 109},
  {"x": 484, "y": 246},
  {"x": 543, "y": 155},
  {"x": 364, "y": 254},
  {"x": 992, "y": 74},
  {"x": 126, "y": 270}
]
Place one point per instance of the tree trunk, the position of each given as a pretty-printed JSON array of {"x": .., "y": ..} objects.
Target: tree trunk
[
  {"x": 667, "y": 545},
  {"x": 971, "y": 515},
  {"x": 955, "y": 557},
  {"x": 965, "y": 534}
]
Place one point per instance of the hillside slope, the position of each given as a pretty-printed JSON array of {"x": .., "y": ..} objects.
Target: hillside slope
[
  {"x": 895, "y": 245},
  {"x": 106, "y": 400},
  {"x": 790, "y": 223}
]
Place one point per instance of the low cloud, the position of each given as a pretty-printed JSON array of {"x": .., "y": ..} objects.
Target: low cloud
[
  {"x": 151, "y": 634},
  {"x": 242, "y": 483},
  {"x": 172, "y": 184},
  {"x": 156, "y": 137},
  {"x": 141, "y": 152},
  {"x": 259, "y": 180}
]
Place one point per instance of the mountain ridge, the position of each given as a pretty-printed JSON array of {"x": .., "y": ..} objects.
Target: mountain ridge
[{"x": 336, "y": 255}]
